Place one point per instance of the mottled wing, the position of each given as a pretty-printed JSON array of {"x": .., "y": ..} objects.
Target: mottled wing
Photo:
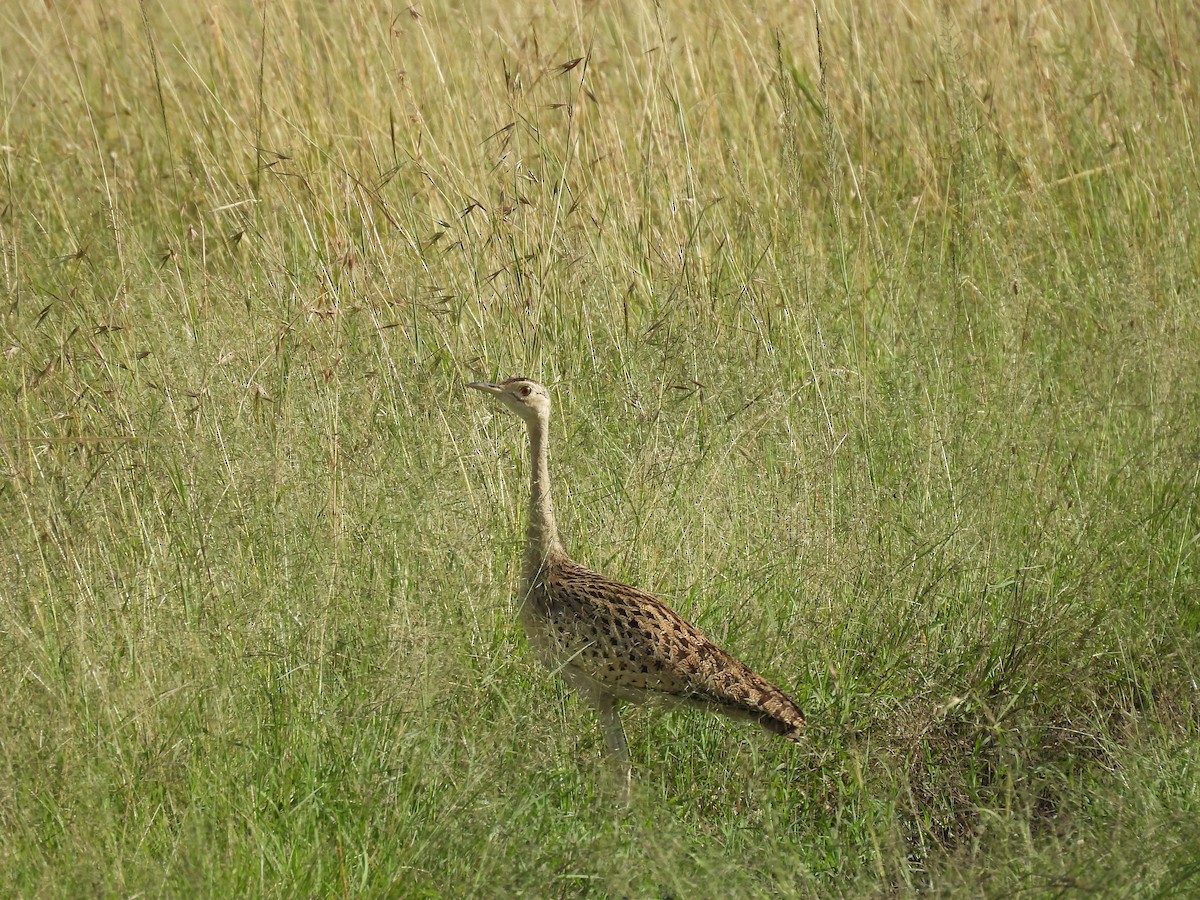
[{"x": 637, "y": 647}]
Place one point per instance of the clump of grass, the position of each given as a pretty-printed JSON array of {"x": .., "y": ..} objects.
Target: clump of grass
[{"x": 878, "y": 359}]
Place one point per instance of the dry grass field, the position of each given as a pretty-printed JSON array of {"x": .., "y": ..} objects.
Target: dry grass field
[{"x": 875, "y": 349}]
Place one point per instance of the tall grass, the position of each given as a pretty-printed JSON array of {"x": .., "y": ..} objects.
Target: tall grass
[{"x": 875, "y": 346}]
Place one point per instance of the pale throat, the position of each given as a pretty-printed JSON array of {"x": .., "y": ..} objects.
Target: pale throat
[{"x": 542, "y": 531}]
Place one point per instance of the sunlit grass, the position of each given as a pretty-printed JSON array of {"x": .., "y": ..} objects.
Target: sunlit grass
[{"x": 878, "y": 359}]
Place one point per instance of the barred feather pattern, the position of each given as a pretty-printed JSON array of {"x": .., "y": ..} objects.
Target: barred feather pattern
[{"x": 609, "y": 638}]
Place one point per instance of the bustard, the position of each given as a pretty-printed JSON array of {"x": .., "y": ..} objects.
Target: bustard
[{"x": 612, "y": 642}]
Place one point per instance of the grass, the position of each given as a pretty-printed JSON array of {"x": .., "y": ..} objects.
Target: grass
[{"x": 875, "y": 351}]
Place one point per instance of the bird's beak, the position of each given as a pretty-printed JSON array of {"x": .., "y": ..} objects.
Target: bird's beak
[{"x": 486, "y": 386}]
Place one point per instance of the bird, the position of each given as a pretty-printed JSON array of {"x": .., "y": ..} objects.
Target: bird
[{"x": 611, "y": 642}]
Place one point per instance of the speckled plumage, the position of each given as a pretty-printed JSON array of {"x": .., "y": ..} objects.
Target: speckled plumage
[
  {"x": 612, "y": 642},
  {"x": 607, "y": 637}
]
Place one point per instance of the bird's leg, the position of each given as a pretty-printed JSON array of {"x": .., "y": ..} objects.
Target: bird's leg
[{"x": 614, "y": 740}]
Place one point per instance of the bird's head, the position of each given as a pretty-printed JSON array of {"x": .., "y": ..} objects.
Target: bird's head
[{"x": 526, "y": 398}]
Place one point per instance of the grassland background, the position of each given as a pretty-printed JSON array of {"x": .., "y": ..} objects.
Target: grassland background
[{"x": 878, "y": 357}]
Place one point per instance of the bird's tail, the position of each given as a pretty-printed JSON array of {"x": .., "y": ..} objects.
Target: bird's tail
[{"x": 788, "y": 723}]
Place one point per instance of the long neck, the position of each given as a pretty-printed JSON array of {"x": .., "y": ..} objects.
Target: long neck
[{"x": 541, "y": 535}]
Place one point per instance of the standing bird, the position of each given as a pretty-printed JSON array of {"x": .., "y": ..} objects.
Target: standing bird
[{"x": 611, "y": 642}]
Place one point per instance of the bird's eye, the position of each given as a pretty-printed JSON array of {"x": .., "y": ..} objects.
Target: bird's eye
[{"x": 524, "y": 392}]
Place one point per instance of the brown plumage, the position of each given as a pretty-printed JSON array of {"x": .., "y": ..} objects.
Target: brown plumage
[
  {"x": 612, "y": 638},
  {"x": 612, "y": 642}
]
